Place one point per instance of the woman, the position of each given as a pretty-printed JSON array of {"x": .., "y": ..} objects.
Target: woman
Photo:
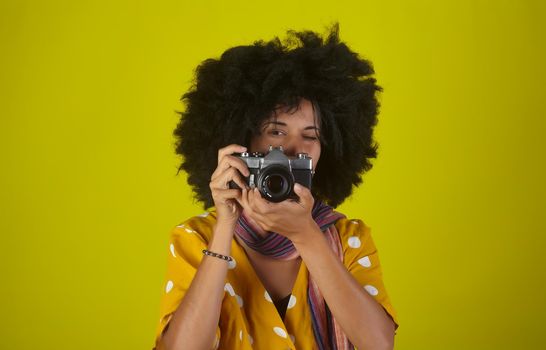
[{"x": 255, "y": 274}]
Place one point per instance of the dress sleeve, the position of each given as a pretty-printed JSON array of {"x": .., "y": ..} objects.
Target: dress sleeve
[
  {"x": 362, "y": 261},
  {"x": 184, "y": 256}
]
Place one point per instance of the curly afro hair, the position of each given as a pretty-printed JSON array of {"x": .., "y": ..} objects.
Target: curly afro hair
[{"x": 232, "y": 96}]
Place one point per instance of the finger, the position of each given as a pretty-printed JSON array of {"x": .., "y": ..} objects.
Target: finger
[
  {"x": 305, "y": 195},
  {"x": 229, "y": 150},
  {"x": 224, "y": 195},
  {"x": 293, "y": 204},
  {"x": 232, "y": 175},
  {"x": 258, "y": 203},
  {"x": 252, "y": 196},
  {"x": 249, "y": 212},
  {"x": 256, "y": 219},
  {"x": 232, "y": 204},
  {"x": 243, "y": 201},
  {"x": 230, "y": 162}
]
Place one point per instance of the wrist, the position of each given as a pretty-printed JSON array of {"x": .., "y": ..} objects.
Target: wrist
[
  {"x": 226, "y": 222},
  {"x": 222, "y": 237},
  {"x": 224, "y": 227},
  {"x": 306, "y": 236}
]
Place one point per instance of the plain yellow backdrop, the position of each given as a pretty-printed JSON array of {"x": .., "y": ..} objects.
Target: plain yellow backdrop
[{"x": 456, "y": 198}]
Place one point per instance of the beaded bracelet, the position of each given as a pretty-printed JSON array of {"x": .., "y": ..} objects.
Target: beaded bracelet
[{"x": 216, "y": 255}]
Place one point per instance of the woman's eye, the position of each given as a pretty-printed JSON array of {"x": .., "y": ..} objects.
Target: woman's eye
[{"x": 277, "y": 132}]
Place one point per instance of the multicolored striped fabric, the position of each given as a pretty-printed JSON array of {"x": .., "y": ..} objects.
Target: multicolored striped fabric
[{"x": 328, "y": 334}]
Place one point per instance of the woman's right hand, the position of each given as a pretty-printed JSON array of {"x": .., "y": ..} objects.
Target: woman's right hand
[{"x": 229, "y": 169}]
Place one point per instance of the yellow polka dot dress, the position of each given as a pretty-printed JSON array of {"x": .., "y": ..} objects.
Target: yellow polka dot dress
[{"x": 249, "y": 319}]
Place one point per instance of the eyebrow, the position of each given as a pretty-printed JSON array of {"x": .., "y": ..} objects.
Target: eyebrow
[{"x": 311, "y": 127}]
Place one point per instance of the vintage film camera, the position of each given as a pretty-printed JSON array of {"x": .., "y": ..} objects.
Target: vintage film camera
[{"x": 275, "y": 174}]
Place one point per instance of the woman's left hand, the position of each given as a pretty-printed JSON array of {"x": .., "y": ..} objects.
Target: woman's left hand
[{"x": 289, "y": 218}]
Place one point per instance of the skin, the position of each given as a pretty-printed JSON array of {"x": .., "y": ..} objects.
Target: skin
[
  {"x": 364, "y": 321},
  {"x": 350, "y": 304},
  {"x": 296, "y": 132},
  {"x": 199, "y": 311}
]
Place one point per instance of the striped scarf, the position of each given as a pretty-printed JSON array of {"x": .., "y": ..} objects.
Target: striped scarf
[{"x": 328, "y": 333}]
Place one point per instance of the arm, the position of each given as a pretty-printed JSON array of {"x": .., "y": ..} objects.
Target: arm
[
  {"x": 195, "y": 321},
  {"x": 360, "y": 316},
  {"x": 199, "y": 311}
]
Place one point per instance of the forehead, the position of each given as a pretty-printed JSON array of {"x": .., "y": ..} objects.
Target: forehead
[{"x": 304, "y": 113}]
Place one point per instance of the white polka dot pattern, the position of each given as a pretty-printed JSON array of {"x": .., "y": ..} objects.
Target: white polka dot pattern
[
  {"x": 169, "y": 286},
  {"x": 365, "y": 261},
  {"x": 371, "y": 289},
  {"x": 228, "y": 288},
  {"x": 191, "y": 237},
  {"x": 239, "y": 300},
  {"x": 354, "y": 242},
  {"x": 292, "y": 302},
  {"x": 280, "y": 332},
  {"x": 232, "y": 264}
]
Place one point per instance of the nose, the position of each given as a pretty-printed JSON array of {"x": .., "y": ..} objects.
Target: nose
[{"x": 291, "y": 146}]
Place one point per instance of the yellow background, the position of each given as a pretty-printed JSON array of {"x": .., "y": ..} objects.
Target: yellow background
[{"x": 456, "y": 199}]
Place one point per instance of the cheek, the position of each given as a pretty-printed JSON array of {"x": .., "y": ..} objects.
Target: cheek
[
  {"x": 256, "y": 144},
  {"x": 260, "y": 143},
  {"x": 315, "y": 154}
]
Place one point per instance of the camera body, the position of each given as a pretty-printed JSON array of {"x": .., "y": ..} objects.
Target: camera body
[{"x": 275, "y": 174}]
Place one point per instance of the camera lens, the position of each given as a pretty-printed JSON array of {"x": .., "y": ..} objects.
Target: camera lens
[{"x": 275, "y": 183}]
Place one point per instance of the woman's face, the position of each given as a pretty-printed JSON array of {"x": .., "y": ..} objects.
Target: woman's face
[{"x": 296, "y": 132}]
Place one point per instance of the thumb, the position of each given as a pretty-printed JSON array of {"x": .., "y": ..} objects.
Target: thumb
[
  {"x": 302, "y": 192},
  {"x": 305, "y": 198}
]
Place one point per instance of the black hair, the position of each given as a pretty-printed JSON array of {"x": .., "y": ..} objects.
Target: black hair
[{"x": 231, "y": 96}]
